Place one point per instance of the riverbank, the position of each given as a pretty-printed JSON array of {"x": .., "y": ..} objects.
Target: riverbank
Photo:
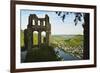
[{"x": 65, "y": 56}]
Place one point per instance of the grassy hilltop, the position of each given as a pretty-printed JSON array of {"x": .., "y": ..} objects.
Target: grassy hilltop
[{"x": 72, "y": 44}]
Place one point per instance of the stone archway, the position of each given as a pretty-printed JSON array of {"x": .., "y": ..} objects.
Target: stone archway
[
  {"x": 39, "y": 25},
  {"x": 43, "y": 34},
  {"x": 35, "y": 37}
]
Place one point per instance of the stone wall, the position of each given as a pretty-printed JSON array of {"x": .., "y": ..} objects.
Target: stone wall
[{"x": 39, "y": 25}]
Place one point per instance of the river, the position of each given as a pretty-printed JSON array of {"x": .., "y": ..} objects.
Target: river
[{"x": 64, "y": 55}]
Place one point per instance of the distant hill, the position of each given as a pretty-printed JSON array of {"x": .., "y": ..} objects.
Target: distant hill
[{"x": 69, "y": 40}]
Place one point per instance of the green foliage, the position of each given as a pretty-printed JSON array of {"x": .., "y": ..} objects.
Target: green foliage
[
  {"x": 75, "y": 41},
  {"x": 22, "y": 38},
  {"x": 44, "y": 53},
  {"x": 35, "y": 40},
  {"x": 78, "y": 16}
]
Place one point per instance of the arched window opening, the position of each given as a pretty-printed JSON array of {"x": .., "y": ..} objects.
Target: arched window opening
[
  {"x": 43, "y": 23},
  {"x": 43, "y": 37},
  {"x": 39, "y": 22},
  {"x": 35, "y": 38},
  {"x": 33, "y": 22}
]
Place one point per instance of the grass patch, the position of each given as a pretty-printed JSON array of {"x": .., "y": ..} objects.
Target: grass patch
[{"x": 42, "y": 54}]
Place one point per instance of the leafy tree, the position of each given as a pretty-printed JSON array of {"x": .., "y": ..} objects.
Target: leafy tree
[{"x": 85, "y": 25}]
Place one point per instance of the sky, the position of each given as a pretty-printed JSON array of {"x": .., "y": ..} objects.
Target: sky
[{"x": 58, "y": 27}]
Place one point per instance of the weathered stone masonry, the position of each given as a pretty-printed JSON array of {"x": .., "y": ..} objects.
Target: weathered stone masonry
[{"x": 34, "y": 25}]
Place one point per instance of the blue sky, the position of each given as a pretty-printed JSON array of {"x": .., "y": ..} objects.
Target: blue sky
[{"x": 58, "y": 27}]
